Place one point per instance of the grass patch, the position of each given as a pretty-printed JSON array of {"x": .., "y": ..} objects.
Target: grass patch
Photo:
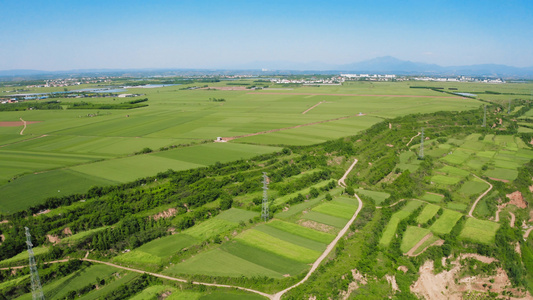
[
  {"x": 500, "y": 173},
  {"x": 325, "y": 219},
  {"x": 446, "y": 180},
  {"x": 412, "y": 235},
  {"x": 432, "y": 198},
  {"x": 280, "y": 247},
  {"x": 473, "y": 187},
  {"x": 338, "y": 208},
  {"x": 377, "y": 197},
  {"x": 480, "y": 231},
  {"x": 427, "y": 213},
  {"x": 302, "y": 231},
  {"x": 445, "y": 222}
]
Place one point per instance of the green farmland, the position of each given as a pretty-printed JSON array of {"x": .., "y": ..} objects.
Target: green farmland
[{"x": 98, "y": 145}]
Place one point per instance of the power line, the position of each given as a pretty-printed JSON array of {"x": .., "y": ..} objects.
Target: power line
[
  {"x": 264, "y": 209},
  {"x": 36, "y": 289}
]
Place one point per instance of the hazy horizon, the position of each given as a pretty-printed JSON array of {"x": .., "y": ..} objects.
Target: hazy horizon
[{"x": 68, "y": 35}]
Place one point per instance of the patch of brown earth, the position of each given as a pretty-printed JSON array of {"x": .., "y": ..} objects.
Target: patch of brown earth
[
  {"x": 318, "y": 226},
  {"x": 67, "y": 231},
  {"x": 446, "y": 285},
  {"x": 54, "y": 239},
  {"x": 403, "y": 269},
  {"x": 16, "y": 123},
  {"x": 359, "y": 279},
  {"x": 2, "y": 238},
  {"x": 4, "y": 221},
  {"x": 481, "y": 258},
  {"x": 390, "y": 145},
  {"x": 517, "y": 199},
  {"x": 530, "y": 216},
  {"x": 42, "y": 212},
  {"x": 497, "y": 179},
  {"x": 517, "y": 249},
  {"x": 335, "y": 161},
  {"x": 392, "y": 282},
  {"x": 165, "y": 214}
]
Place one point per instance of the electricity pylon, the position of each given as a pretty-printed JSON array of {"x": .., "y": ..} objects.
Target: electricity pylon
[
  {"x": 36, "y": 289},
  {"x": 264, "y": 209}
]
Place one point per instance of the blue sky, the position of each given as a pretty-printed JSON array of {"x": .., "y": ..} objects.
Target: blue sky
[{"x": 65, "y": 35}]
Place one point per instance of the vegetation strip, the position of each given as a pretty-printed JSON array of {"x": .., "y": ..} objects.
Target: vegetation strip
[{"x": 355, "y": 95}]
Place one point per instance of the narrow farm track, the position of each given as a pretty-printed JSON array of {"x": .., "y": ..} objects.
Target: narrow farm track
[
  {"x": 45, "y": 263},
  {"x": 413, "y": 138},
  {"x": 526, "y": 234},
  {"x": 22, "y": 131},
  {"x": 332, "y": 245},
  {"x": 422, "y": 241},
  {"x": 480, "y": 196},
  {"x": 513, "y": 218},
  {"x": 341, "y": 181},
  {"x": 379, "y": 207},
  {"x": 303, "y": 113},
  {"x": 287, "y": 128},
  {"x": 357, "y": 95},
  {"x": 38, "y": 137}
]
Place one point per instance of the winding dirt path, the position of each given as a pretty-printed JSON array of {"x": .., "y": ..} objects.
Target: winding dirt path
[
  {"x": 357, "y": 95},
  {"x": 413, "y": 138},
  {"x": 526, "y": 234},
  {"x": 22, "y": 131},
  {"x": 341, "y": 181},
  {"x": 303, "y": 113},
  {"x": 332, "y": 245},
  {"x": 38, "y": 137},
  {"x": 379, "y": 207},
  {"x": 287, "y": 128},
  {"x": 480, "y": 196}
]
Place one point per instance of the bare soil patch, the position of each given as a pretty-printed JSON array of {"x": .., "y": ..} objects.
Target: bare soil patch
[
  {"x": 392, "y": 282},
  {"x": 498, "y": 179},
  {"x": 517, "y": 199},
  {"x": 423, "y": 240},
  {"x": 67, "y": 231},
  {"x": 403, "y": 269},
  {"x": 54, "y": 239},
  {"x": 318, "y": 226},
  {"x": 42, "y": 212},
  {"x": 446, "y": 285},
  {"x": 165, "y": 214},
  {"x": 16, "y": 123}
]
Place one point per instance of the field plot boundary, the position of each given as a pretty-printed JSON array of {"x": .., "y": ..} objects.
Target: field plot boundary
[
  {"x": 357, "y": 95},
  {"x": 287, "y": 128}
]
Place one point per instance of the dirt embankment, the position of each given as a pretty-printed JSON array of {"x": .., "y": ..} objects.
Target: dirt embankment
[
  {"x": 448, "y": 284},
  {"x": 165, "y": 214}
]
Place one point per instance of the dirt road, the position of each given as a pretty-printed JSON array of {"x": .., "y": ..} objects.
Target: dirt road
[
  {"x": 480, "y": 196},
  {"x": 22, "y": 131},
  {"x": 303, "y": 113},
  {"x": 332, "y": 245},
  {"x": 413, "y": 138},
  {"x": 341, "y": 181}
]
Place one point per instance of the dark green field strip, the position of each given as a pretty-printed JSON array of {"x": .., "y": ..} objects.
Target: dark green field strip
[
  {"x": 337, "y": 209},
  {"x": 302, "y": 231},
  {"x": 166, "y": 246},
  {"x": 298, "y": 208},
  {"x": 32, "y": 189},
  {"x": 237, "y": 215},
  {"x": 35, "y": 156},
  {"x": 325, "y": 219},
  {"x": 292, "y": 238},
  {"x": 264, "y": 258},
  {"x": 110, "y": 287}
]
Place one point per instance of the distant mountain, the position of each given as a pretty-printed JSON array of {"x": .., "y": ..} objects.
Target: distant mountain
[
  {"x": 379, "y": 65},
  {"x": 392, "y": 65}
]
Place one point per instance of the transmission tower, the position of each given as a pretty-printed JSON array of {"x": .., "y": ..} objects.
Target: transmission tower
[
  {"x": 36, "y": 289},
  {"x": 484, "y": 116},
  {"x": 264, "y": 209},
  {"x": 421, "y": 154}
]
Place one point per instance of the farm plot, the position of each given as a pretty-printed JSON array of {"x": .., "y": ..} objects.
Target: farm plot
[
  {"x": 480, "y": 231},
  {"x": 425, "y": 244},
  {"x": 305, "y": 232},
  {"x": 458, "y": 157},
  {"x": 427, "y": 213},
  {"x": 300, "y": 207},
  {"x": 390, "y": 230},
  {"x": 23, "y": 256},
  {"x": 222, "y": 223},
  {"x": 473, "y": 187},
  {"x": 431, "y": 197},
  {"x": 445, "y": 180},
  {"x": 445, "y": 222},
  {"x": 218, "y": 262},
  {"x": 377, "y": 197},
  {"x": 267, "y": 242},
  {"x": 157, "y": 251},
  {"x": 341, "y": 207},
  {"x": 411, "y": 236},
  {"x": 17, "y": 196}
]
